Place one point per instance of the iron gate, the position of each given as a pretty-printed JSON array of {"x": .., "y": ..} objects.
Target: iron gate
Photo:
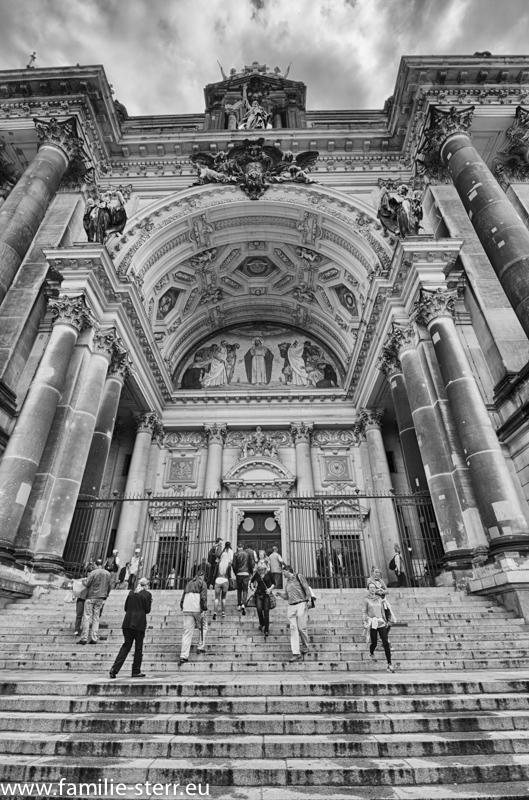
[{"x": 326, "y": 536}]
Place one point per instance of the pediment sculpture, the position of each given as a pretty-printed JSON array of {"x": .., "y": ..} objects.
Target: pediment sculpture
[
  {"x": 254, "y": 166},
  {"x": 258, "y": 444}
]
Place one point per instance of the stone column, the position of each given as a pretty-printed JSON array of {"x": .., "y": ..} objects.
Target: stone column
[
  {"x": 24, "y": 209},
  {"x": 391, "y": 367},
  {"x": 369, "y": 424},
  {"x": 99, "y": 449},
  {"x": 497, "y": 497},
  {"x": 458, "y": 519},
  {"x": 26, "y": 445},
  {"x": 56, "y": 516},
  {"x": 499, "y": 228},
  {"x": 148, "y": 425},
  {"x": 301, "y": 434},
  {"x": 216, "y": 435}
]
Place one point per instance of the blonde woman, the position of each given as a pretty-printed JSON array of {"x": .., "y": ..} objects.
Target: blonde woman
[
  {"x": 375, "y": 624},
  {"x": 222, "y": 581}
]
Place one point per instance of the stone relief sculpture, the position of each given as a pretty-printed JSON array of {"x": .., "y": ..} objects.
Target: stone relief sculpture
[
  {"x": 258, "y": 444},
  {"x": 253, "y": 166},
  {"x": 400, "y": 209},
  {"x": 104, "y": 215},
  {"x": 274, "y": 356}
]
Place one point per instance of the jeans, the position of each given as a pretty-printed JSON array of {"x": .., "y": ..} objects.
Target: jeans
[
  {"x": 298, "y": 617},
  {"x": 131, "y": 636},
  {"x": 262, "y": 604},
  {"x": 79, "y": 611},
  {"x": 242, "y": 589},
  {"x": 92, "y": 612},
  {"x": 132, "y": 581},
  {"x": 384, "y": 632}
]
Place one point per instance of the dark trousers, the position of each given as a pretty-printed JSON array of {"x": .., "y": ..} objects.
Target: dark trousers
[
  {"x": 385, "y": 641},
  {"x": 79, "y": 611},
  {"x": 132, "y": 582},
  {"x": 262, "y": 604},
  {"x": 401, "y": 578},
  {"x": 131, "y": 636},
  {"x": 242, "y": 589}
]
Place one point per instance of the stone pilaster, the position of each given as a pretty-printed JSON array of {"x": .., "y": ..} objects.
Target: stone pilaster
[
  {"x": 301, "y": 435},
  {"x": 106, "y": 418},
  {"x": 148, "y": 425},
  {"x": 216, "y": 436},
  {"x": 369, "y": 424},
  {"x": 24, "y": 209},
  {"x": 56, "y": 514},
  {"x": 496, "y": 494},
  {"x": 499, "y": 228},
  {"x": 26, "y": 445},
  {"x": 458, "y": 519},
  {"x": 390, "y": 365}
]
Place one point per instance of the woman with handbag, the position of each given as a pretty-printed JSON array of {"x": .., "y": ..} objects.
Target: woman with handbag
[
  {"x": 375, "y": 624},
  {"x": 222, "y": 580},
  {"x": 263, "y": 583},
  {"x": 381, "y": 592}
]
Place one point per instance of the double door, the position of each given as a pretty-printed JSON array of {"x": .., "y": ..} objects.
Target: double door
[{"x": 260, "y": 531}]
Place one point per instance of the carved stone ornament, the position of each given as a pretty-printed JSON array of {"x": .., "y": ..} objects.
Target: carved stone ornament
[
  {"x": 513, "y": 171},
  {"x": 71, "y": 311},
  {"x": 400, "y": 210},
  {"x": 335, "y": 438},
  {"x": 148, "y": 421},
  {"x": 104, "y": 214},
  {"x": 445, "y": 123},
  {"x": 401, "y": 338},
  {"x": 187, "y": 439},
  {"x": 258, "y": 443},
  {"x": 301, "y": 432},
  {"x": 434, "y": 303},
  {"x": 120, "y": 365},
  {"x": 518, "y": 135},
  {"x": 388, "y": 362},
  {"x": 254, "y": 166},
  {"x": 62, "y": 134},
  {"x": 370, "y": 419},
  {"x": 216, "y": 433},
  {"x": 105, "y": 342}
]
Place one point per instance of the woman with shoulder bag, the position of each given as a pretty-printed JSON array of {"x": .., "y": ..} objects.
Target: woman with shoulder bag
[
  {"x": 222, "y": 581},
  {"x": 263, "y": 583},
  {"x": 375, "y": 624}
]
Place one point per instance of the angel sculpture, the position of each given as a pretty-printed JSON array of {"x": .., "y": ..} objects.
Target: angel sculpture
[
  {"x": 295, "y": 168},
  {"x": 105, "y": 216},
  {"x": 401, "y": 212},
  {"x": 211, "y": 169}
]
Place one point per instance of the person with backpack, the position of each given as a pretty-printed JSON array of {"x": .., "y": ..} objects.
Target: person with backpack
[
  {"x": 396, "y": 564},
  {"x": 194, "y": 604},
  {"x": 112, "y": 565},
  {"x": 299, "y": 596},
  {"x": 213, "y": 562}
]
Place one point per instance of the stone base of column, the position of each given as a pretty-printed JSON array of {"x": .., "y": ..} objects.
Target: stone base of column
[
  {"x": 48, "y": 563},
  {"x": 505, "y": 584},
  {"x": 23, "y": 556},
  {"x": 510, "y": 546},
  {"x": 14, "y": 585},
  {"x": 7, "y": 553},
  {"x": 460, "y": 559}
]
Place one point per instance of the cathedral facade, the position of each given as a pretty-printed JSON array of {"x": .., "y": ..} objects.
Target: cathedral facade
[{"x": 292, "y": 328}]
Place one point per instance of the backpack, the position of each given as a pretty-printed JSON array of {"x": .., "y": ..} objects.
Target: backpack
[
  {"x": 212, "y": 555},
  {"x": 391, "y": 564}
]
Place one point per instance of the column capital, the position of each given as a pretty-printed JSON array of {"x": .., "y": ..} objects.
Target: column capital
[
  {"x": 401, "y": 338},
  {"x": 120, "y": 365},
  {"x": 434, "y": 303},
  {"x": 148, "y": 422},
  {"x": 61, "y": 133},
  {"x": 388, "y": 362},
  {"x": 71, "y": 311},
  {"x": 445, "y": 123},
  {"x": 216, "y": 433},
  {"x": 518, "y": 135},
  {"x": 301, "y": 432},
  {"x": 106, "y": 342},
  {"x": 369, "y": 419}
]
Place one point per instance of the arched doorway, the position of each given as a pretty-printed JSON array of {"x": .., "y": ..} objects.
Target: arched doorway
[{"x": 259, "y": 530}]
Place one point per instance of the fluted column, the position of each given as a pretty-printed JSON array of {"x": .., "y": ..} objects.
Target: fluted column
[
  {"x": 216, "y": 435},
  {"x": 24, "y": 209},
  {"x": 56, "y": 516},
  {"x": 369, "y": 424},
  {"x": 391, "y": 367},
  {"x": 457, "y": 516},
  {"x": 301, "y": 435},
  {"x": 497, "y": 497},
  {"x": 26, "y": 445},
  {"x": 500, "y": 230},
  {"x": 148, "y": 425},
  {"x": 100, "y": 447}
]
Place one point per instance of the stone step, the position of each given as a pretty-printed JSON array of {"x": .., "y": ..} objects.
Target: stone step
[
  {"x": 269, "y": 746},
  {"x": 275, "y": 772}
]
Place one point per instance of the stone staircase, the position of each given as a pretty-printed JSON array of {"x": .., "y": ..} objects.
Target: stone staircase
[{"x": 246, "y": 725}]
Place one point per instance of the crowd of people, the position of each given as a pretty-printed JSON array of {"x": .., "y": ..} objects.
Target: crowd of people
[{"x": 257, "y": 578}]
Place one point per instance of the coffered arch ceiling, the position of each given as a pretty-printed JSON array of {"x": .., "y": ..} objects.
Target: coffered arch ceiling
[{"x": 208, "y": 258}]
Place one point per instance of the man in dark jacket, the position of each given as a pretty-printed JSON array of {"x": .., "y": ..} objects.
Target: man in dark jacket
[
  {"x": 98, "y": 585},
  {"x": 137, "y": 606},
  {"x": 243, "y": 567}
]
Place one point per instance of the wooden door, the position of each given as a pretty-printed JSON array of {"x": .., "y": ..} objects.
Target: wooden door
[{"x": 260, "y": 531}]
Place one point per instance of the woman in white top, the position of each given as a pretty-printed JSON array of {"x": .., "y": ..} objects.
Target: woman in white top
[
  {"x": 375, "y": 623},
  {"x": 222, "y": 581}
]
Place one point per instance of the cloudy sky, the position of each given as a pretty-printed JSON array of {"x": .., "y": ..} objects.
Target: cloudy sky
[{"x": 159, "y": 54}]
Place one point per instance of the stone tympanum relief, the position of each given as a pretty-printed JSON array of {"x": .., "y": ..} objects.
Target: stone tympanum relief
[{"x": 259, "y": 355}]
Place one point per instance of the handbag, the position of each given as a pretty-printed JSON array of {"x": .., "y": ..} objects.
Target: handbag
[
  {"x": 69, "y": 597},
  {"x": 79, "y": 590},
  {"x": 273, "y": 601}
]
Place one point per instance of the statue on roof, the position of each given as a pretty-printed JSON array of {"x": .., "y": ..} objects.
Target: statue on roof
[{"x": 256, "y": 117}]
